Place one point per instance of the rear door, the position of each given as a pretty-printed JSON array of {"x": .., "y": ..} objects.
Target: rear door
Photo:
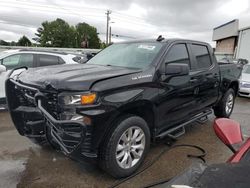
[
  {"x": 205, "y": 76},
  {"x": 48, "y": 60}
]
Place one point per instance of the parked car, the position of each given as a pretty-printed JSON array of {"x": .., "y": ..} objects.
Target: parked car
[
  {"x": 245, "y": 81},
  {"x": 84, "y": 57},
  {"x": 128, "y": 95},
  {"x": 12, "y": 59},
  {"x": 234, "y": 173}
]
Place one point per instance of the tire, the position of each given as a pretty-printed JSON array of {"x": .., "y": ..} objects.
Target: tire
[
  {"x": 225, "y": 107},
  {"x": 115, "y": 150}
]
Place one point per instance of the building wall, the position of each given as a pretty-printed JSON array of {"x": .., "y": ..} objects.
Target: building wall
[
  {"x": 226, "y": 30},
  {"x": 226, "y": 46},
  {"x": 243, "y": 49}
]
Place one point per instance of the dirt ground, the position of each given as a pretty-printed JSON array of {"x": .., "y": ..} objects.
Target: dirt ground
[{"x": 24, "y": 164}]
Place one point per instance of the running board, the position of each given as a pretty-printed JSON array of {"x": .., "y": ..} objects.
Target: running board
[{"x": 180, "y": 129}]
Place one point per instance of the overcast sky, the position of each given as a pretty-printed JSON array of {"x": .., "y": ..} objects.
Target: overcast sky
[{"x": 192, "y": 19}]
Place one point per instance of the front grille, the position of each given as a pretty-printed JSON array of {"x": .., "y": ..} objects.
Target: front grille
[
  {"x": 52, "y": 104},
  {"x": 69, "y": 135},
  {"x": 27, "y": 95}
]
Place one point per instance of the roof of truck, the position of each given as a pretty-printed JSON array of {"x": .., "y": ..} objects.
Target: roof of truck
[{"x": 167, "y": 40}]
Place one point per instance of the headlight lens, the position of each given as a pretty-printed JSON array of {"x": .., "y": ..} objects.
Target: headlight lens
[
  {"x": 72, "y": 99},
  {"x": 85, "y": 99}
]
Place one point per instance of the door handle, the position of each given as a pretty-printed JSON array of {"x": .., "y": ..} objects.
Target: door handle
[
  {"x": 216, "y": 76},
  {"x": 193, "y": 80}
]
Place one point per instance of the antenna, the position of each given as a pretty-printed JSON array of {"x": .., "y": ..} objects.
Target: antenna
[{"x": 160, "y": 38}]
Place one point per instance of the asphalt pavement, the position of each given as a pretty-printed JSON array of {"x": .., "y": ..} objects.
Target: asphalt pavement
[{"x": 23, "y": 164}]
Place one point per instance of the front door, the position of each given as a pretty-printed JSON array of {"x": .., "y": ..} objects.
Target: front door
[
  {"x": 11, "y": 62},
  {"x": 176, "y": 95}
]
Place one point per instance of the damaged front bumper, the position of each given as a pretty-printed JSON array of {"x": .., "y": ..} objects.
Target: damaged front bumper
[{"x": 34, "y": 115}]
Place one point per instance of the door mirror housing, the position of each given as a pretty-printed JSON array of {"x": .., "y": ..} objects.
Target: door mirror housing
[
  {"x": 176, "y": 69},
  {"x": 2, "y": 68},
  {"x": 228, "y": 131}
]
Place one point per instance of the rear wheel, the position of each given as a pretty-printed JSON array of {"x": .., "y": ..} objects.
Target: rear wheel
[
  {"x": 226, "y": 105},
  {"x": 125, "y": 148}
]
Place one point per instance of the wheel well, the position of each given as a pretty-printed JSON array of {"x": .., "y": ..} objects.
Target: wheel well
[
  {"x": 144, "y": 112},
  {"x": 234, "y": 86}
]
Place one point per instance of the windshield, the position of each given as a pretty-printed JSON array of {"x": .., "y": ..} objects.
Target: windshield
[
  {"x": 131, "y": 55},
  {"x": 246, "y": 69}
]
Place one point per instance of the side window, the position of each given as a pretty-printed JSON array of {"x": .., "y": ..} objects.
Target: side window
[
  {"x": 11, "y": 62},
  {"x": 202, "y": 56},
  {"x": 178, "y": 54},
  {"x": 47, "y": 60},
  {"x": 26, "y": 60}
]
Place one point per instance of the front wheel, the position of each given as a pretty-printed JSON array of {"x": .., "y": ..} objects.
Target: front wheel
[
  {"x": 126, "y": 147},
  {"x": 225, "y": 107}
]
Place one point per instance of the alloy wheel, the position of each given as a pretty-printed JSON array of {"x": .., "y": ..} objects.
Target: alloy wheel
[{"x": 130, "y": 147}]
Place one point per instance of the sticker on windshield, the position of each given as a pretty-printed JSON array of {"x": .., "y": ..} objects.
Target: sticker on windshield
[{"x": 147, "y": 47}]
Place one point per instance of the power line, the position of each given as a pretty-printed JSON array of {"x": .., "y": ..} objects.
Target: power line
[
  {"x": 126, "y": 15},
  {"x": 40, "y": 7},
  {"x": 56, "y": 6},
  {"x": 18, "y": 24},
  {"x": 35, "y": 8}
]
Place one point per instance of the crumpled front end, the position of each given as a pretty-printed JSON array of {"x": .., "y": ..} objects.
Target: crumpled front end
[{"x": 35, "y": 114}]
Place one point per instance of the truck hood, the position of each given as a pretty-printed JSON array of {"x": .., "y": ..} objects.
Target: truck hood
[{"x": 71, "y": 77}]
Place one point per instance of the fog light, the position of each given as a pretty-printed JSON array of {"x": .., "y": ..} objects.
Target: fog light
[
  {"x": 86, "y": 120},
  {"x": 77, "y": 118}
]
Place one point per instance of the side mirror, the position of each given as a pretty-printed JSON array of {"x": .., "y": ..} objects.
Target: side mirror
[
  {"x": 83, "y": 60},
  {"x": 2, "y": 68},
  {"x": 176, "y": 69},
  {"x": 228, "y": 131}
]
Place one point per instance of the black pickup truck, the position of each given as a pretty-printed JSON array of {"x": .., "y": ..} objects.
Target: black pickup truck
[{"x": 127, "y": 96}]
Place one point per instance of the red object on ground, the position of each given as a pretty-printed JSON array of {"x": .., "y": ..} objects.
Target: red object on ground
[
  {"x": 240, "y": 153},
  {"x": 228, "y": 131}
]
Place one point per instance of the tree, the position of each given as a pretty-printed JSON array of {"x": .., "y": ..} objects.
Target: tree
[
  {"x": 4, "y": 43},
  {"x": 57, "y": 33},
  {"x": 86, "y": 36},
  {"x": 24, "y": 41}
]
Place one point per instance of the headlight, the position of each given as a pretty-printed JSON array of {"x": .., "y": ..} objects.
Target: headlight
[
  {"x": 72, "y": 99},
  {"x": 84, "y": 99}
]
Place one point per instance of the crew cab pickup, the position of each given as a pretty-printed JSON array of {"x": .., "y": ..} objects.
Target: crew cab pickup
[{"x": 127, "y": 96}]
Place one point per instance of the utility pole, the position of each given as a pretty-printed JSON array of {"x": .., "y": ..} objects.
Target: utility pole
[
  {"x": 107, "y": 31},
  {"x": 110, "y": 34}
]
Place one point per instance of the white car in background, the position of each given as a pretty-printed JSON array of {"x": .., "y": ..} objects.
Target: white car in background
[
  {"x": 12, "y": 59},
  {"x": 245, "y": 81}
]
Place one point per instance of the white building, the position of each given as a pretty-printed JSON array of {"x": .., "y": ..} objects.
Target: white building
[
  {"x": 232, "y": 42},
  {"x": 243, "y": 47}
]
